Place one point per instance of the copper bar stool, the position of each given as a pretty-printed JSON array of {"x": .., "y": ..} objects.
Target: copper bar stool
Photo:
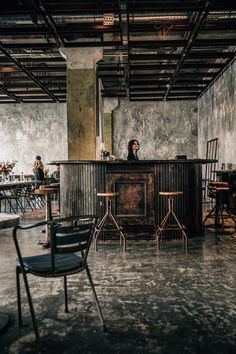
[
  {"x": 108, "y": 214},
  {"x": 165, "y": 224},
  {"x": 220, "y": 192}
]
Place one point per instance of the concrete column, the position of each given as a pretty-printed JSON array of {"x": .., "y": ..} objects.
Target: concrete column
[
  {"x": 81, "y": 102},
  {"x": 109, "y": 104}
]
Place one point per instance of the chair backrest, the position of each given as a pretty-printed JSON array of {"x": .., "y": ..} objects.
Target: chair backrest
[
  {"x": 211, "y": 153},
  {"x": 70, "y": 236},
  {"x": 232, "y": 181}
]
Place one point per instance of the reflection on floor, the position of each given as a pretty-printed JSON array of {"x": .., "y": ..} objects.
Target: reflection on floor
[{"x": 154, "y": 301}]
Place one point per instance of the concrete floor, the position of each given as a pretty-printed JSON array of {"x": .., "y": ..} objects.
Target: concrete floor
[{"x": 154, "y": 301}]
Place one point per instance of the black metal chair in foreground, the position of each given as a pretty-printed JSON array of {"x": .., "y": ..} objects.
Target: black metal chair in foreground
[{"x": 70, "y": 243}]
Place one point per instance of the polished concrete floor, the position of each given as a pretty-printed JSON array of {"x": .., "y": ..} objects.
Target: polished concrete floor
[{"x": 163, "y": 301}]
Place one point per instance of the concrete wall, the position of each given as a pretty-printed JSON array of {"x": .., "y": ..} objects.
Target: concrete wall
[
  {"x": 217, "y": 116},
  {"x": 164, "y": 129},
  {"x": 27, "y": 130}
]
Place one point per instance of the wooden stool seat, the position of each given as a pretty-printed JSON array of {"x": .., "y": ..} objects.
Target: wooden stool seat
[
  {"x": 165, "y": 224},
  {"x": 108, "y": 215},
  {"x": 170, "y": 193},
  {"x": 46, "y": 191},
  {"x": 107, "y": 194},
  {"x": 218, "y": 183}
]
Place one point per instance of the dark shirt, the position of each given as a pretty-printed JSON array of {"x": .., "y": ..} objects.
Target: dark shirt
[
  {"x": 56, "y": 175},
  {"x": 132, "y": 157}
]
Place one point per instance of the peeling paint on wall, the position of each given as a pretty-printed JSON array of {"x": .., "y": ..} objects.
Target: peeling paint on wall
[
  {"x": 27, "y": 130},
  {"x": 217, "y": 116}
]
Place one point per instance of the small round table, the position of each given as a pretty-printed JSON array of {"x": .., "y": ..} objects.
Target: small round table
[
  {"x": 7, "y": 221},
  {"x": 47, "y": 192}
]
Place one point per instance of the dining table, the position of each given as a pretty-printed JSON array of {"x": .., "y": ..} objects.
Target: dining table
[{"x": 9, "y": 189}]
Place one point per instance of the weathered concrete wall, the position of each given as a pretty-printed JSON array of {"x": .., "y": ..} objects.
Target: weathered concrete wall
[
  {"x": 217, "y": 116},
  {"x": 164, "y": 129},
  {"x": 27, "y": 130}
]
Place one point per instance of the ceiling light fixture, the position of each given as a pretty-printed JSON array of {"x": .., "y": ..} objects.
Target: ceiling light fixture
[{"x": 108, "y": 19}]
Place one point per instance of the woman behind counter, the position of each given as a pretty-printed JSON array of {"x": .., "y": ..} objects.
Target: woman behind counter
[{"x": 133, "y": 148}]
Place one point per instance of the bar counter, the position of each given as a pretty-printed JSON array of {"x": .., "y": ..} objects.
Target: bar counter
[{"x": 138, "y": 183}]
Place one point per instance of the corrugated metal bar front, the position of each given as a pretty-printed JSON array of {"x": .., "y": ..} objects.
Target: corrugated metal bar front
[{"x": 80, "y": 183}]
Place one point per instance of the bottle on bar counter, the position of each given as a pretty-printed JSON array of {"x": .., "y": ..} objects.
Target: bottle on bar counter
[
  {"x": 22, "y": 177},
  {"x": 12, "y": 177}
]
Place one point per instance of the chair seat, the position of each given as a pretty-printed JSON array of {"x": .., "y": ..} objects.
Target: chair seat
[{"x": 41, "y": 264}]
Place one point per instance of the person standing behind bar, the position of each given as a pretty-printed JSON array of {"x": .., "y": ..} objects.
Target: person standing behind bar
[
  {"x": 133, "y": 148},
  {"x": 38, "y": 171},
  {"x": 56, "y": 174}
]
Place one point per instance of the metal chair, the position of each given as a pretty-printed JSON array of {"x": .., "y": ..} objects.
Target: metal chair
[{"x": 68, "y": 236}]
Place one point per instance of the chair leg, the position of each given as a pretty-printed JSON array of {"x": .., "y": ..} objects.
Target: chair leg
[
  {"x": 98, "y": 229},
  {"x": 96, "y": 299},
  {"x": 66, "y": 294},
  {"x": 31, "y": 306},
  {"x": 161, "y": 227},
  {"x": 230, "y": 216},
  {"x": 209, "y": 215},
  {"x": 18, "y": 271},
  {"x": 180, "y": 225},
  {"x": 184, "y": 235},
  {"x": 122, "y": 236}
]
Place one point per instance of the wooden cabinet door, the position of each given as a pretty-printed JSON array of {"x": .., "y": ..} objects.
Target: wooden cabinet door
[{"x": 135, "y": 203}]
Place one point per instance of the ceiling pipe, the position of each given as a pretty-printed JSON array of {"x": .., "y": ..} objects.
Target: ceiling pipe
[
  {"x": 50, "y": 23},
  {"x": 198, "y": 23}
]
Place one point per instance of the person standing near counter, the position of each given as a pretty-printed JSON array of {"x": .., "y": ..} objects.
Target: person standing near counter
[
  {"x": 56, "y": 174},
  {"x": 38, "y": 171},
  {"x": 133, "y": 148}
]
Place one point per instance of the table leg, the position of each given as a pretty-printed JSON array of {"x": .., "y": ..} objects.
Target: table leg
[
  {"x": 3, "y": 320},
  {"x": 48, "y": 216}
]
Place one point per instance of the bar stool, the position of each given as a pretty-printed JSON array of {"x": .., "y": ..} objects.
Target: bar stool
[
  {"x": 165, "y": 225},
  {"x": 219, "y": 191},
  {"x": 108, "y": 214}
]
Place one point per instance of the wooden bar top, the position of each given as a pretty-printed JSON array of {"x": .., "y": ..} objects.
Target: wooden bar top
[{"x": 202, "y": 161}]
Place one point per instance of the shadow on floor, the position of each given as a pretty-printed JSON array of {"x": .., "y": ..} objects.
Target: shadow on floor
[{"x": 163, "y": 301}]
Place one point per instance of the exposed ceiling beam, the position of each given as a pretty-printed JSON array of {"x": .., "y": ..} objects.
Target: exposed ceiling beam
[{"x": 27, "y": 72}]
